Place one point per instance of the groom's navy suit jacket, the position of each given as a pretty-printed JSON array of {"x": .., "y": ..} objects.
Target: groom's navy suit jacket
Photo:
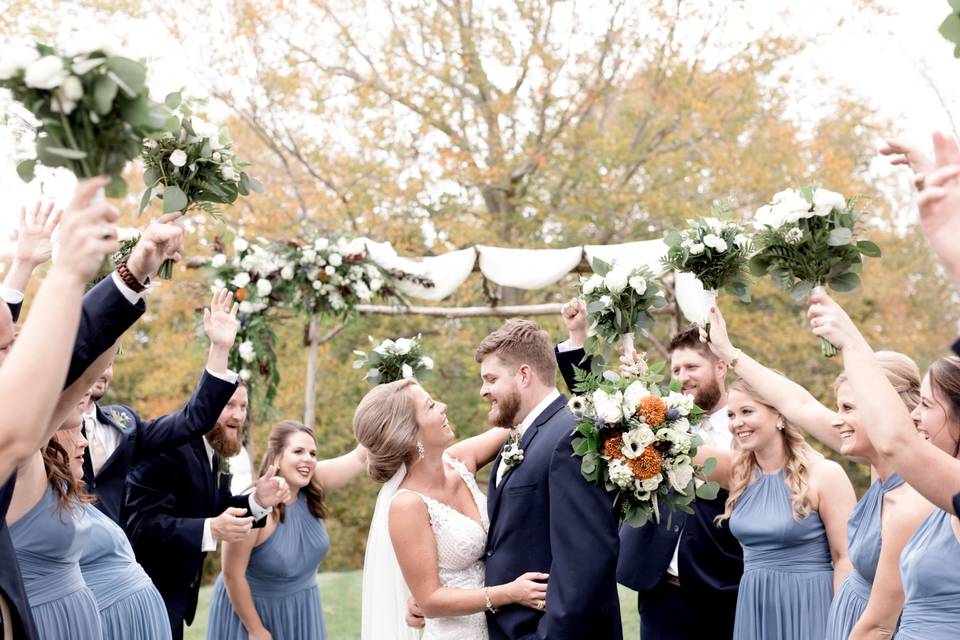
[
  {"x": 545, "y": 517},
  {"x": 105, "y": 315},
  {"x": 710, "y": 559},
  {"x": 141, "y": 439}
]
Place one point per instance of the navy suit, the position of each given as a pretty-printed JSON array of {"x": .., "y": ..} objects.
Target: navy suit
[
  {"x": 105, "y": 316},
  {"x": 168, "y": 498},
  {"x": 710, "y": 563},
  {"x": 141, "y": 439},
  {"x": 545, "y": 517}
]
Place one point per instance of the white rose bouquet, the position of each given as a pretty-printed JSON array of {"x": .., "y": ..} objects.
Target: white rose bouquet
[
  {"x": 633, "y": 437},
  {"x": 192, "y": 167},
  {"x": 716, "y": 252},
  {"x": 806, "y": 238},
  {"x": 92, "y": 106},
  {"x": 392, "y": 360},
  {"x": 619, "y": 303}
]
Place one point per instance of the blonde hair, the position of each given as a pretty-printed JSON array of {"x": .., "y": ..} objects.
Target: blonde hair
[
  {"x": 520, "y": 342},
  {"x": 902, "y": 373},
  {"x": 385, "y": 422},
  {"x": 800, "y": 456}
]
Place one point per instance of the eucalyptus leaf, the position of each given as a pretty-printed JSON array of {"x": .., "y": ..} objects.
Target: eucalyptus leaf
[
  {"x": 844, "y": 282},
  {"x": 708, "y": 491},
  {"x": 104, "y": 92},
  {"x": 132, "y": 75},
  {"x": 840, "y": 236},
  {"x": 25, "y": 170},
  {"x": 174, "y": 199},
  {"x": 869, "y": 249}
]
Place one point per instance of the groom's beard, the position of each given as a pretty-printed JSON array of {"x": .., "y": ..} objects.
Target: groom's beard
[
  {"x": 223, "y": 442},
  {"x": 505, "y": 413},
  {"x": 707, "y": 396}
]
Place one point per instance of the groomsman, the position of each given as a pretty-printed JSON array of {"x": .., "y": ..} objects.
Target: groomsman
[
  {"x": 685, "y": 569},
  {"x": 179, "y": 506},
  {"x": 119, "y": 438}
]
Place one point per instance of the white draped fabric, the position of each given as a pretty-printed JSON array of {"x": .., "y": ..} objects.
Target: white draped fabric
[
  {"x": 447, "y": 271},
  {"x": 527, "y": 268},
  {"x": 644, "y": 253}
]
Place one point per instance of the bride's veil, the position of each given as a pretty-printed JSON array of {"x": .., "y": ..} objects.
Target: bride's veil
[{"x": 385, "y": 592}]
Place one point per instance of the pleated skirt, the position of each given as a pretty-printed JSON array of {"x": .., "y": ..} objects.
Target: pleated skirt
[
  {"x": 72, "y": 617},
  {"x": 294, "y": 616},
  {"x": 139, "y": 616},
  {"x": 783, "y": 605}
]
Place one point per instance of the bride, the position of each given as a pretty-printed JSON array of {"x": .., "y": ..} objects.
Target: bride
[{"x": 429, "y": 531}]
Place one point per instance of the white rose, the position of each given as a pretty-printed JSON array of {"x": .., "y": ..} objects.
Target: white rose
[
  {"x": 767, "y": 216},
  {"x": 590, "y": 284},
  {"x": 825, "y": 201},
  {"x": 403, "y": 346},
  {"x": 320, "y": 244},
  {"x": 227, "y": 172},
  {"x": 606, "y": 301},
  {"x": 620, "y": 474},
  {"x": 638, "y": 284},
  {"x": 287, "y": 272},
  {"x": 711, "y": 240},
  {"x": 335, "y": 259},
  {"x": 636, "y": 440},
  {"x": 607, "y": 406},
  {"x": 632, "y": 396},
  {"x": 72, "y": 89},
  {"x": 680, "y": 477},
  {"x": 721, "y": 245},
  {"x": 682, "y": 402},
  {"x": 214, "y": 141},
  {"x": 650, "y": 484},
  {"x": 46, "y": 73},
  {"x": 741, "y": 240},
  {"x": 426, "y": 362},
  {"x": 264, "y": 287},
  {"x": 241, "y": 280},
  {"x": 218, "y": 261},
  {"x": 218, "y": 284},
  {"x": 15, "y": 58},
  {"x": 713, "y": 224},
  {"x": 406, "y": 371},
  {"x": 247, "y": 352},
  {"x": 791, "y": 205},
  {"x": 680, "y": 425},
  {"x": 616, "y": 280},
  {"x": 696, "y": 249},
  {"x": 178, "y": 158},
  {"x": 244, "y": 374},
  {"x": 239, "y": 244}
]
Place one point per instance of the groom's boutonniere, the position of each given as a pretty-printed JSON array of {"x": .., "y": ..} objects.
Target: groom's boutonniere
[
  {"x": 512, "y": 453},
  {"x": 121, "y": 418},
  {"x": 223, "y": 468}
]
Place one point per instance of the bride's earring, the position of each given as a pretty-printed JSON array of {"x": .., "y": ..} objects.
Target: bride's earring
[
  {"x": 780, "y": 425},
  {"x": 420, "y": 450}
]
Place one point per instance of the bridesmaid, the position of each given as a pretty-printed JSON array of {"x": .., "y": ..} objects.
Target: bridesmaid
[
  {"x": 268, "y": 587},
  {"x": 887, "y": 514},
  {"x": 788, "y": 507},
  {"x": 130, "y": 607},
  {"x": 928, "y": 461}
]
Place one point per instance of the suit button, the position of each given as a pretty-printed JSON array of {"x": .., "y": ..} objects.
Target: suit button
[
  {"x": 676, "y": 528},
  {"x": 489, "y": 554}
]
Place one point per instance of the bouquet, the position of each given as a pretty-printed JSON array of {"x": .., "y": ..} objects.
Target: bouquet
[
  {"x": 805, "y": 238},
  {"x": 634, "y": 438},
  {"x": 715, "y": 252},
  {"x": 92, "y": 106},
  {"x": 192, "y": 167},
  {"x": 619, "y": 303},
  {"x": 393, "y": 360}
]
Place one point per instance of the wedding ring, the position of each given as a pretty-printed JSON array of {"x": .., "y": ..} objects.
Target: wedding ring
[{"x": 541, "y": 604}]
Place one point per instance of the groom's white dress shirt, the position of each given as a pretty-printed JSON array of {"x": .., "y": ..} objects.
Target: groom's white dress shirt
[
  {"x": 715, "y": 433},
  {"x": 523, "y": 426}
]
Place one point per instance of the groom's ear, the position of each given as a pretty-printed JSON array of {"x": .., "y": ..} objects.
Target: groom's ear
[{"x": 526, "y": 374}]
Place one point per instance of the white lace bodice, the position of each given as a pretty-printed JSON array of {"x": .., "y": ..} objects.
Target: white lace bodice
[{"x": 461, "y": 543}]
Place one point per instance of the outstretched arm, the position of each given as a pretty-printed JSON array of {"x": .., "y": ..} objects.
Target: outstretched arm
[
  {"x": 795, "y": 403},
  {"x": 934, "y": 474},
  {"x": 335, "y": 473},
  {"x": 479, "y": 451},
  {"x": 836, "y": 500}
]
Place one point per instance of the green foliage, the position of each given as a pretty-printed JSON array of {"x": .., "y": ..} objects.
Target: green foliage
[
  {"x": 715, "y": 250},
  {"x": 392, "y": 360}
]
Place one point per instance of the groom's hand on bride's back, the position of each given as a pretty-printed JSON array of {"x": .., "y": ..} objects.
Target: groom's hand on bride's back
[{"x": 414, "y": 616}]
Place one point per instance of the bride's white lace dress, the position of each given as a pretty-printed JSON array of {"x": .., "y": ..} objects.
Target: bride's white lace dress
[{"x": 461, "y": 544}]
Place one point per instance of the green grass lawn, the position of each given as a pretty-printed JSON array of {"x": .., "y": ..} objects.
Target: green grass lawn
[{"x": 340, "y": 592}]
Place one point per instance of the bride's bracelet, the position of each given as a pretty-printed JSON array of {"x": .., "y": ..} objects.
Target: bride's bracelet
[{"x": 487, "y": 604}]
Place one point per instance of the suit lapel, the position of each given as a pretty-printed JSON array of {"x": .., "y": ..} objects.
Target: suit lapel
[
  {"x": 201, "y": 452},
  {"x": 525, "y": 443}
]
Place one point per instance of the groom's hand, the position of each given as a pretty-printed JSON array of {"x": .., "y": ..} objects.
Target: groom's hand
[{"x": 414, "y": 617}]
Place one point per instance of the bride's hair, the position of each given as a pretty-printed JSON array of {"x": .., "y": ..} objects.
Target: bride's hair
[{"x": 385, "y": 422}]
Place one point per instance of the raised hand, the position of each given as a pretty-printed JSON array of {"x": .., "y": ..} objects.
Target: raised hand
[
  {"x": 162, "y": 240},
  {"x": 574, "y": 314},
  {"x": 939, "y": 206},
  {"x": 88, "y": 232},
  {"x": 907, "y": 154},
  {"x": 828, "y": 320},
  {"x": 271, "y": 489},
  {"x": 718, "y": 339},
  {"x": 34, "y": 232},
  {"x": 220, "y": 320},
  {"x": 231, "y": 525}
]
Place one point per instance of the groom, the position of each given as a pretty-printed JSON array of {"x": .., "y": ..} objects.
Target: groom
[{"x": 543, "y": 515}]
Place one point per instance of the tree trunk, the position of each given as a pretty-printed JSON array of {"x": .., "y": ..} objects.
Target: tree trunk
[{"x": 310, "y": 393}]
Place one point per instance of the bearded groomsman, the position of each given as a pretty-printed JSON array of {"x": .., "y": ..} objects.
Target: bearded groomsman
[
  {"x": 685, "y": 569},
  {"x": 179, "y": 506},
  {"x": 119, "y": 438}
]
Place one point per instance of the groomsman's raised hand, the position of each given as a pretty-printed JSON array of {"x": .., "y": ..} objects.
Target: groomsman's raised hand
[
  {"x": 939, "y": 205},
  {"x": 574, "y": 314},
  {"x": 162, "y": 240},
  {"x": 87, "y": 234},
  {"x": 221, "y": 325},
  {"x": 33, "y": 243},
  {"x": 271, "y": 489}
]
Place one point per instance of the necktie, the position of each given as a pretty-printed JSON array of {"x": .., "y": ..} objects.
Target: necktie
[{"x": 98, "y": 453}]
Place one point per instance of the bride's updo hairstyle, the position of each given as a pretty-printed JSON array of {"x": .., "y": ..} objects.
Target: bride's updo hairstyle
[
  {"x": 385, "y": 422},
  {"x": 902, "y": 372}
]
